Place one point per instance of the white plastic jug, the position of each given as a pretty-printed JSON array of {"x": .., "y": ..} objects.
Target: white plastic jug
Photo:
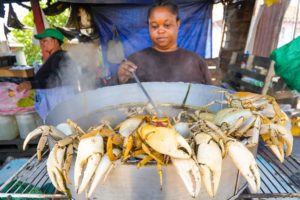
[
  {"x": 8, "y": 127},
  {"x": 27, "y": 122}
]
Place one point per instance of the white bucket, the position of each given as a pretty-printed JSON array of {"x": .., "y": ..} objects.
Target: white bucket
[
  {"x": 8, "y": 127},
  {"x": 27, "y": 122}
]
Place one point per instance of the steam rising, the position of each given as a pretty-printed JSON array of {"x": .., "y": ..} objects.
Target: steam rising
[{"x": 79, "y": 70}]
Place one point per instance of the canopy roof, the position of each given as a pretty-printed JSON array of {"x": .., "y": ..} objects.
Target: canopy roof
[{"x": 127, "y": 1}]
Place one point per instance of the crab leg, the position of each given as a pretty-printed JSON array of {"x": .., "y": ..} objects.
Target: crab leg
[
  {"x": 103, "y": 169},
  {"x": 44, "y": 131},
  {"x": 116, "y": 139},
  {"x": 127, "y": 146},
  {"x": 67, "y": 164},
  {"x": 153, "y": 155},
  {"x": 54, "y": 168}
]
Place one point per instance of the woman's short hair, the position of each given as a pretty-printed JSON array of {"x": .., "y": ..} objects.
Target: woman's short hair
[{"x": 171, "y": 6}]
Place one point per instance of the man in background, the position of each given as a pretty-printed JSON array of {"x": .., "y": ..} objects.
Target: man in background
[{"x": 56, "y": 78}]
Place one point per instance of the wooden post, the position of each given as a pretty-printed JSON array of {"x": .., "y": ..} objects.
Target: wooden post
[
  {"x": 268, "y": 79},
  {"x": 37, "y": 16},
  {"x": 38, "y": 20}
]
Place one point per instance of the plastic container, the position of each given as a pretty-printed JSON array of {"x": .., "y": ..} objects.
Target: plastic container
[
  {"x": 27, "y": 122},
  {"x": 9, "y": 128}
]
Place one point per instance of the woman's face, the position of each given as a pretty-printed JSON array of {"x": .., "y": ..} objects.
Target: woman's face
[{"x": 163, "y": 29}]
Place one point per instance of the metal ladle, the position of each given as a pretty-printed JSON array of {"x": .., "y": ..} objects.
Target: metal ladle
[{"x": 146, "y": 94}]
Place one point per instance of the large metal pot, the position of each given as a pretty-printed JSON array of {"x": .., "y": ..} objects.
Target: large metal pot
[{"x": 126, "y": 181}]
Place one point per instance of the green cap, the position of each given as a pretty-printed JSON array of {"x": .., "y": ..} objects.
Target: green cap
[{"x": 50, "y": 32}]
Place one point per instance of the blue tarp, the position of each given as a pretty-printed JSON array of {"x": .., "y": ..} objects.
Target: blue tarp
[{"x": 131, "y": 22}]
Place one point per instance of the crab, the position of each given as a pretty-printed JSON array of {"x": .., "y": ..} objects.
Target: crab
[
  {"x": 209, "y": 157},
  {"x": 89, "y": 154},
  {"x": 157, "y": 139},
  {"x": 209, "y": 148},
  {"x": 127, "y": 130},
  {"x": 165, "y": 140},
  {"x": 263, "y": 104},
  {"x": 93, "y": 161},
  {"x": 56, "y": 133},
  {"x": 64, "y": 149},
  {"x": 60, "y": 158},
  {"x": 158, "y": 134},
  {"x": 61, "y": 155},
  {"x": 133, "y": 146},
  {"x": 239, "y": 123},
  {"x": 276, "y": 137},
  {"x": 238, "y": 152}
]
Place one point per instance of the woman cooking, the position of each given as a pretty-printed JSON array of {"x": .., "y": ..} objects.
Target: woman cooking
[{"x": 164, "y": 61}]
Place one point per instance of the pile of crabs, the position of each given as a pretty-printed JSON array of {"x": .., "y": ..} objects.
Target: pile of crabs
[{"x": 194, "y": 142}]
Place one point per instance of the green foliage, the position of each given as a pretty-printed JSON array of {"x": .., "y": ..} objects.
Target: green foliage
[{"x": 32, "y": 51}]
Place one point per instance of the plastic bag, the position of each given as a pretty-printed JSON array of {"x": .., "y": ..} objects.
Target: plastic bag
[
  {"x": 287, "y": 63},
  {"x": 115, "y": 52},
  {"x": 12, "y": 102}
]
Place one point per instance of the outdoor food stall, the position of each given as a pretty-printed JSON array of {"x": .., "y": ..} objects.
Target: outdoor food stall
[{"x": 163, "y": 140}]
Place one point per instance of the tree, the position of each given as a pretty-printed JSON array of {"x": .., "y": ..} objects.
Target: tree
[{"x": 32, "y": 51}]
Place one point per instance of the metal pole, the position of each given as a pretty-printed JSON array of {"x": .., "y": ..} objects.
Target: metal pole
[
  {"x": 274, "y": 195},
  {"x": 295, "y": 28}
]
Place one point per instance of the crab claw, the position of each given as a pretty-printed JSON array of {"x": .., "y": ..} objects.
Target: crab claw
[
  {"x": 188, "y": 171},
  {"x": 102, "y": 171},
  {"x": 276, "y": 136},
  {"x": 209, "y": 157},
  {"x": 44, "y": 131},
  {"x": 165, "y": 141},
  {"x": 54, "y": 168},
  {"x": 129, "y": 125},
  {"x": 245, "y": 162},
  {"x": 65, "y": 128},
  {"x": 90, "y": 151}
]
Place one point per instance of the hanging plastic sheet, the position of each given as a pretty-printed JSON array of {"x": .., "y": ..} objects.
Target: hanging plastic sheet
[
  {"x": 287, "y": 63},
  {"x": 131, "y": 22}
]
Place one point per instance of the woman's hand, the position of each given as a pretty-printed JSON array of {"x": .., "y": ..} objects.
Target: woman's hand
[
  {"x": 125, "y": 71},
  {"x": 25, "y": 86}
]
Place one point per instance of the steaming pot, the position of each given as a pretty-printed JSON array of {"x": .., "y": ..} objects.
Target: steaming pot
[{"x": 125, "y": 181}]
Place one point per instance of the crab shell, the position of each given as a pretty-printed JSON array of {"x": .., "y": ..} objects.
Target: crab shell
[{"x": 231, "y": 115}]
